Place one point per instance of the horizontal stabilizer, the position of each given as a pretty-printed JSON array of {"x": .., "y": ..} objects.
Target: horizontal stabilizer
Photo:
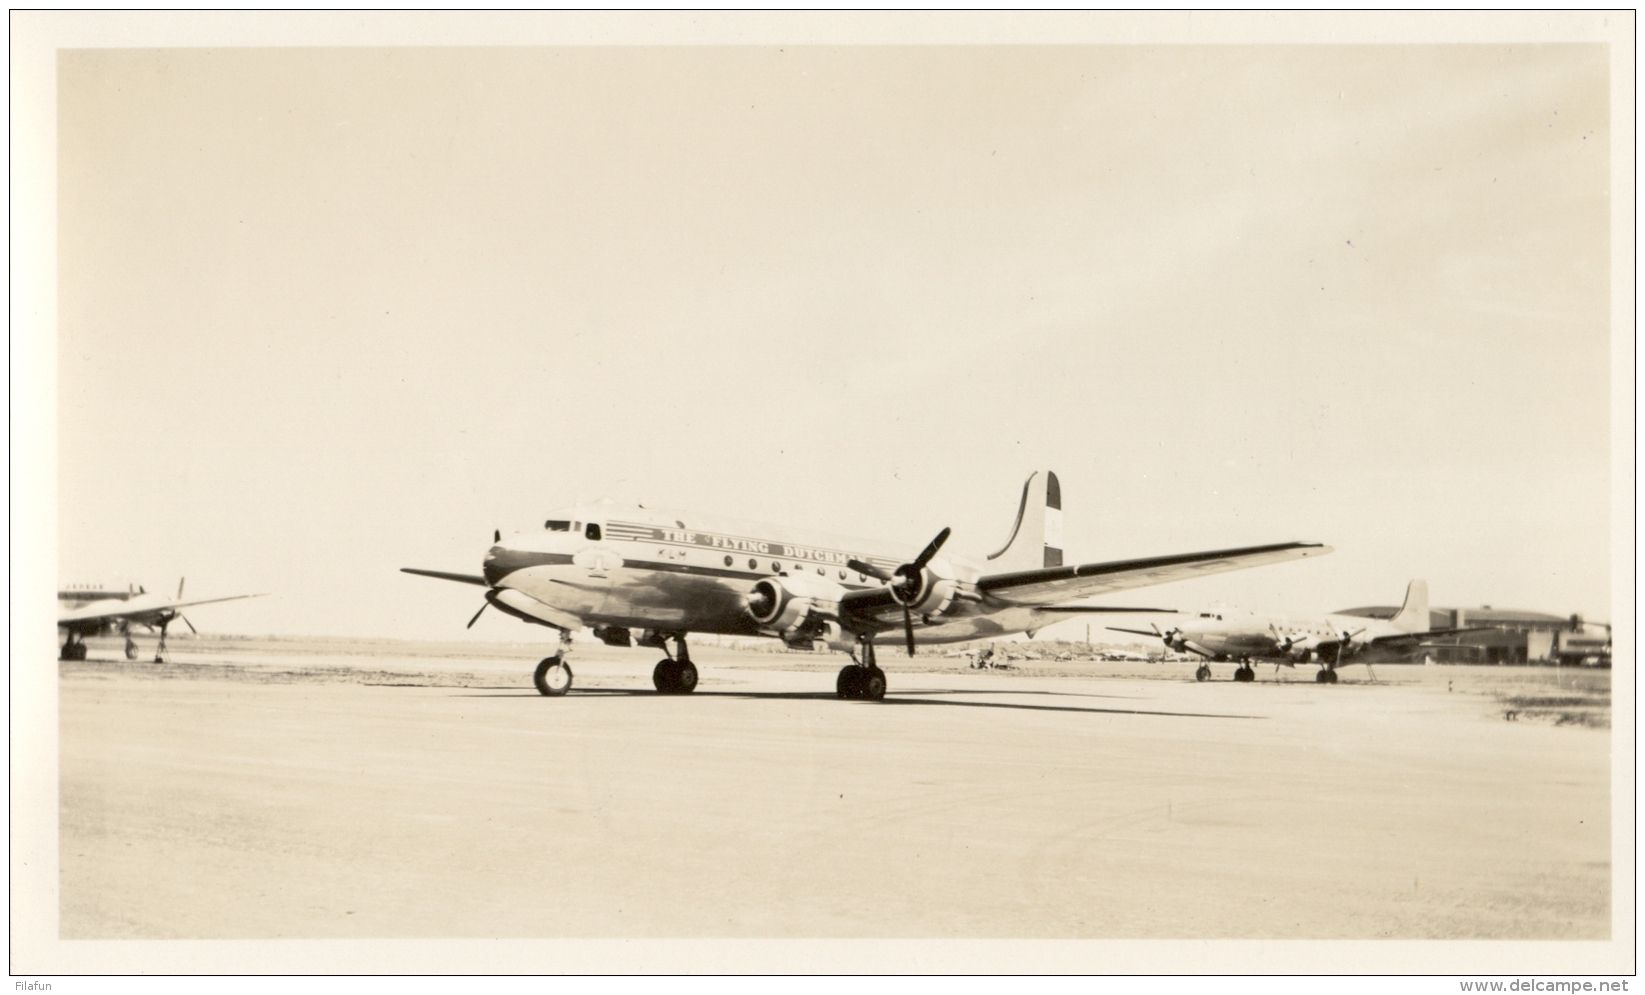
[
  {"x": 1417, "y": 638},
  {"x": 442, "y": 575}
]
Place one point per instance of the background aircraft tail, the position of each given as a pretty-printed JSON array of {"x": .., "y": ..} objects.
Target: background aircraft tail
[
  {"x": 1036, "y": 538},
  {"x": 1413, "y": 616}
]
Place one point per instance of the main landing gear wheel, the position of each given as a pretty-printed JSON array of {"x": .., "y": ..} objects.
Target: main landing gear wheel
[
  {"x": 131, "y": 648},
  {"x": 1245, "y": 674},
  {"x": 1202, "y": 672},
  {"x": 862, "y": 683},
  {"x": 1326, "y": 677},
  {"x": 73, "y": 651},
  {"x": 674, "y": 677},
  {"x": 553, "y": 677}
]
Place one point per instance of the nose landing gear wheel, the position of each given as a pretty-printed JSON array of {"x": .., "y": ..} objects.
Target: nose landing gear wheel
[
  {"x": 553, "y": 677},
  {"x": 1202, "y": 673}
]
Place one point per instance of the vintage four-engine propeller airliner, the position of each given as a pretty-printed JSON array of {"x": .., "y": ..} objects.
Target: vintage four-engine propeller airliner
[
  {"x": 95, "y": 611},
  {"x": 618, "y": 568}
]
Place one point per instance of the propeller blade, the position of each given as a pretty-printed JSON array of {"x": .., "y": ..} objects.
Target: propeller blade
[
  {"x": 180, "y": 587},
  {"x": 186, "y": 622},
  {"x": 869, "y": 569},
  {"x": 908, "y": 628},
  {"x": 477, "y": 615},
  {"x": 930, "y": 551}
]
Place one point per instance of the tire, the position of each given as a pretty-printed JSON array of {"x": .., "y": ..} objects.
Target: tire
[
  {"x": 1245, "y": 675},
  {"x": 872, "y": 685},
  {"x": 1330, "y": 677},
  {"x": 849, "y": 683},
  {"x": 663, "y": 677},
  {"x": 553, "y": 678},
  {"x": 1323, "y": 677},
  {"x": 1202, "y": 673},
  {"x": 685, "y": 677},
  {"x": 131, "y": 651}
]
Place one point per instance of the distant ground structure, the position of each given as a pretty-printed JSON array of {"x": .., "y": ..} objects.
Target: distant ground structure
[{"x": 1512, "y": 637}]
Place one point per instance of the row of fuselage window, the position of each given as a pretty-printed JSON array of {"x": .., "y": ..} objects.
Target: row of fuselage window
[{"x": 592, "y": 531}]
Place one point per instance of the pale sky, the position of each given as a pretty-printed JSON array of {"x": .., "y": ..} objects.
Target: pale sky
[{"x": 324, "y": 313}]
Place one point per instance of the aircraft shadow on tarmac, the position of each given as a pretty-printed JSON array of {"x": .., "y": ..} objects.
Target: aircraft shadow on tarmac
[{"x": 952, "y": 700}]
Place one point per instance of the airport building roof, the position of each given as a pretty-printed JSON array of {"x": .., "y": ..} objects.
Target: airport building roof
[{"x": 1444, "y": 618}]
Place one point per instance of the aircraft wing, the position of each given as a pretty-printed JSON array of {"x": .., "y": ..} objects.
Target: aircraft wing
[
  {"x": 1042, "y": 588},
  {"x": 111, "y": 608},
  {"x": 1108, "y": 610}
]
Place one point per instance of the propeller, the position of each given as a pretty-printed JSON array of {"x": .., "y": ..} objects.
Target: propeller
[
  {"x": 905, "y": 581},
  {"x": 476, "y": 618},
  {"x": 186, "y": 622},
  {"x": 1286, "y": 643},
  {"x": 1172, "y": 638}
]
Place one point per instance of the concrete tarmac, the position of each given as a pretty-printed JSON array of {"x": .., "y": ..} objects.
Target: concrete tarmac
[{"x": 257, "y": 794}]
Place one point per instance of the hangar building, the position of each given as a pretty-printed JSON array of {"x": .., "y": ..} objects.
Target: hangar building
[{"x": 1511, "y": 636}]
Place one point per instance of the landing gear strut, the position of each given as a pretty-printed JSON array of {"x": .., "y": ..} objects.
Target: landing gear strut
[
  {"x": 676, "y": 675},
  {"x": 865, "y": 680},
  {"x": 160, "y": 650},
  {"x": 553, "y": 675}
]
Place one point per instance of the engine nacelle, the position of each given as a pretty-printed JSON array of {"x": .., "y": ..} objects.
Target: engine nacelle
[
  {"x": 796, "y": 607},
  {"x": 613, "y": 635},
  {"x": 933, "y": 595}
]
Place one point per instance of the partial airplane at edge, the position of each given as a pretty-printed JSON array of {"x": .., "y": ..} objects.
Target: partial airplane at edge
[
  {"x": 618, "y": 568},
  {"x": 1334, "y": 639},
  {"x": 95, "y": 611}
]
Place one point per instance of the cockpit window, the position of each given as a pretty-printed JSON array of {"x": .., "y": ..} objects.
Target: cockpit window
[
  {"x": 593, "y": 531},
  {"x": 555, "y": 525}
]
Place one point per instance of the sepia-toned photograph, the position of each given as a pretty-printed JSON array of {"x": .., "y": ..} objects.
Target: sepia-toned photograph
[{"x": 823, "y": 494}]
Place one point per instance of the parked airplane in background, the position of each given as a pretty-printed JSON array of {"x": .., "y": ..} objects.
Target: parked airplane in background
[
  {"x": 1333, "y": 639},
  {"x": 619, "y": 568},
  {"x": 92, "y": 611}
]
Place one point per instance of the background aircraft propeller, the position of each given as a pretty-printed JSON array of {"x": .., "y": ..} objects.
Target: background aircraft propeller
[
  {"x": 905, "y": 581},
  {"x": 1172, "y": 638}
]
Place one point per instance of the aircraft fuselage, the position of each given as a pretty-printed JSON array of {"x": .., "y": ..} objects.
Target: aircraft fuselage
[{"x": 672, "y": 571}]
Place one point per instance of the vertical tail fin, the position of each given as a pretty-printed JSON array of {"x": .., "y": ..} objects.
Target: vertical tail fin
[
  {"x": 1413, "y": 616},
  {"x": 1036, "y": 538}
]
